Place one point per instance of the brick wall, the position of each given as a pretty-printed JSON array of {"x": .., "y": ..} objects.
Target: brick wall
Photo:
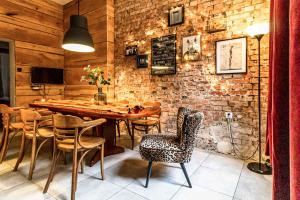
[{"x": 195, "y": 85}]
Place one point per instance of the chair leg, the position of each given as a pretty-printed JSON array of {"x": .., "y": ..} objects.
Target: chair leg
[
  {"x": 132, "y": 136},
  {"x": 4, "y": 144},
  {"x": 65, "y": 158},
  {"x": 33, "y": 158},
  {"x": 159, "y": 127},
  {"x": 148, "y": 173},
  {"x": 74, "y": 174},
  {"x": 21, "y": 153},
  {"x": 52, "y": 170},
  {"x": 81, "y": 163},
  {"x": 118, "y": 128},
  {"x": 186, "y": 174},
  {"x": 146, "y": 130},
  {"x": 102, "y": 161}
]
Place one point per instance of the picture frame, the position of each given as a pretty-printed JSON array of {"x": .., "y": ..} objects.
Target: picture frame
[
  {"x": 131, "y": 50},
  {"x": 176, "y": 16},
  {"x": 164, "y": 55},
  {"x": 191, "y": 48},
  {"x": 231, "y": 56},
  {"x": 142, "y": 61}
]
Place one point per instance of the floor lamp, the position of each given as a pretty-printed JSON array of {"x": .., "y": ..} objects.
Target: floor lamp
[{"x": 258, "y": 31}]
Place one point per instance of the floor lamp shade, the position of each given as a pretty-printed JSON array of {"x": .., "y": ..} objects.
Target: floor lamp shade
[{"x": 78, "y": 38}]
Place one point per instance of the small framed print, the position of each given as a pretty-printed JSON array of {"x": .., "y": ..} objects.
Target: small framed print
[
  {"x": 231, "y": 56},
  {"x": 176, "y": 16},
  {"x": 142, "y": 61},
  {"x": 191, "y": 48},
  {"x": 131, "y": 50}
]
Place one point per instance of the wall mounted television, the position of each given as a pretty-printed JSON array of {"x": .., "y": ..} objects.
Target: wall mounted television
[{"x": 45, "y": 75}]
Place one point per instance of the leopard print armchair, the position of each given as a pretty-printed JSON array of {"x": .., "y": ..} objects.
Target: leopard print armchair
[{"x": 173, "y": 148}]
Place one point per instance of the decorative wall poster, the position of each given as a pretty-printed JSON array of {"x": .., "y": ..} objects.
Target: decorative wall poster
[
  {"x": 231, "y": 56},
  {"x": 191, "y": 48},
  {"x": 131, "y": 50},
  {"x": 164, "y": 55}
]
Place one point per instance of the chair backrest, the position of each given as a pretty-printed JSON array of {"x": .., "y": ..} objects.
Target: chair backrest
[
  {"x": 153, "y": 104},
  {"x": 5, "y": 112},
  {"x": 191, "y": 126},
  {"x": 29, "y": 118},
  {"x": 66, "y": 128},
  {"x": 182, "y": 112}
]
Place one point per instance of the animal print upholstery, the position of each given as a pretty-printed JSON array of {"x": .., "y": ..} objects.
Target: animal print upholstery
[{"x": 170, "y": 148}]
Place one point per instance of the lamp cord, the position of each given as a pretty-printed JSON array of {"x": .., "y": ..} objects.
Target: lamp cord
[{"x": 236, "y": 151}]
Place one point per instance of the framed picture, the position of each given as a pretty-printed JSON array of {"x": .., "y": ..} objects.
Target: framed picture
[
  {"x": 142, "y": 61},
  {"x": 131, "y": 50},
  {"x": 176, "y": 16},
  {"x": 231, "y": 56},
  {"x": 191, "y": 48},
  {"x": 164, "y": 55}
]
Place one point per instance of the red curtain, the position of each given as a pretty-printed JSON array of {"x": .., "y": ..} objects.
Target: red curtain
[{"x": 284, "y": 99}]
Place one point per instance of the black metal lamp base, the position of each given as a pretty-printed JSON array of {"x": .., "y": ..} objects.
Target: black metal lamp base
[{"x": 260, "y": 168}]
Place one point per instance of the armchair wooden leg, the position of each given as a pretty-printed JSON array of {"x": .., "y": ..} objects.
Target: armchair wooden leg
[
  {"x": 148, "y": 173},
  {"x": 102, "y": 161},
  {"x": 52, "y": 170},
  {"x": 74, "y": 174},
  {"x": 81, "y": 163},
  {"x": 33, "y": 158},
  {"x": 21, "y": 153},
  {"x": 159, "y": 127},
  {"x": 4, "y": 144},
  {"x": 132, "y": 136},
  {"x": 118, "y": 128},
  {"x": 186, "y": 174}
]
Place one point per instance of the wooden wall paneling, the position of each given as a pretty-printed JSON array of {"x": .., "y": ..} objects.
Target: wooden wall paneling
[{"x": 36, "y": 27}]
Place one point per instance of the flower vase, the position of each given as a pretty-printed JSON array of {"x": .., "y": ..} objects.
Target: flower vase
[{"x": 100, "y": 97}]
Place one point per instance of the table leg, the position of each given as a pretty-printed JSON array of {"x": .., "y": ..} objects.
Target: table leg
[{"x": 107, "y": 131}]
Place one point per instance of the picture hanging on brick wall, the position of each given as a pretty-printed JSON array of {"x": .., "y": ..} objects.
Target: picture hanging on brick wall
[
  {"x": 131, "y": 50},
  {"x": 142, "y": 61},
  {"x": 176, "y": 16},
  {"x": 164, "y": 55},
  {"x": 231, "y": 56},
  {"x": 191, "y": 48}
]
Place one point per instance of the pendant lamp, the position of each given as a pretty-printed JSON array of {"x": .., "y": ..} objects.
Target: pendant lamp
[{"x": 78, "y": 38}]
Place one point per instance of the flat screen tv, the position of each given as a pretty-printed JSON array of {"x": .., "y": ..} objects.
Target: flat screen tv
[{"x": 43, "y": 75}]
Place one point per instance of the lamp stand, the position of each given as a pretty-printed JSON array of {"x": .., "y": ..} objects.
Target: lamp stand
[{"x": 259, "y": 167}]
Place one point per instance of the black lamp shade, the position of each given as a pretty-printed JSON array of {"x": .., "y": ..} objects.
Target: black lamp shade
[{"x": 78, "y": 38}]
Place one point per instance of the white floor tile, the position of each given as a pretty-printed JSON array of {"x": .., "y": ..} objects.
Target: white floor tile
[
  {"x": 216, "y": 180},
  {"x": 223, "y": 163},
  {"x": 197, "y": 193},
  {"x": 126, "y": 195}
]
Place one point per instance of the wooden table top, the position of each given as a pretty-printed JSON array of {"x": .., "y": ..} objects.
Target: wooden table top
[{"x": 89, "y": 109}]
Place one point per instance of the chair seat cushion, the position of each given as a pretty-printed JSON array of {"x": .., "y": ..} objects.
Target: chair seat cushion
[
  {"x": 162, "y": 148},
  {"x": 87, "y": 142},
  {"x": 145, "y": 122},
  {"x": 45, "y": 132},
  {"x": 17, "y": 125}
]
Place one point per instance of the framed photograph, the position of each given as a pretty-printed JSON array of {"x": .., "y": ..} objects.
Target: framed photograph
[
  {"x": 231, "y": 56},
  {"x": 191, "y": 48},
  {"x": 176, "y": 16},
  {"x": 163, "y": 55},
  {"x": 131, "y": 50},
  {"x": 142, "y": 61}
]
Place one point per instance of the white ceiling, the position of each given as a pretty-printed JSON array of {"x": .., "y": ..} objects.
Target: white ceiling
[{"x": 62, "y": 2}]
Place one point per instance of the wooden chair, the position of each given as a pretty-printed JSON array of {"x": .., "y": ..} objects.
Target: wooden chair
[
  {"x": 69, "y": 136},
  {"x": 147, "y": 123},
  {"x": 35, "y": 127},
  {"x": 8, "y": 116}
]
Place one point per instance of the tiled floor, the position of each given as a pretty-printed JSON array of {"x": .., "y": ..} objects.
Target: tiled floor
[{"x": 214, "y": 177}]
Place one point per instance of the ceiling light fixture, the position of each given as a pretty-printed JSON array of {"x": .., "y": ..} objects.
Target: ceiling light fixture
[{"x": 78, "y": 38}]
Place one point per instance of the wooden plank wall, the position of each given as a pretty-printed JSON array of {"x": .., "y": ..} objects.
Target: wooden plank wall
[
  {"x": 36, "y": 26},
  {"x": 100, "y": 15}
]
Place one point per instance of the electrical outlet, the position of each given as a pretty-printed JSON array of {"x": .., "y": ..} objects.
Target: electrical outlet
[{"x": 228, "y": 115}]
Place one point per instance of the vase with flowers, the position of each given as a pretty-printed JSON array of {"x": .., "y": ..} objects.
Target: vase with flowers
[{"x": 95, "y": 76}]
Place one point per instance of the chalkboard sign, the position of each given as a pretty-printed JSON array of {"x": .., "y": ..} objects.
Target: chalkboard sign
[{"x": 164, "y": 55}]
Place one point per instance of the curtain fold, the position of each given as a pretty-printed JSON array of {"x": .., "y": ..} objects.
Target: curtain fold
[
  {"x": 295, "y": 99},
  {"x": 283, "y": 124}
]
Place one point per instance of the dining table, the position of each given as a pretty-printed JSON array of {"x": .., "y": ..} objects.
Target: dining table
[{"x": 110, "y": 111}]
